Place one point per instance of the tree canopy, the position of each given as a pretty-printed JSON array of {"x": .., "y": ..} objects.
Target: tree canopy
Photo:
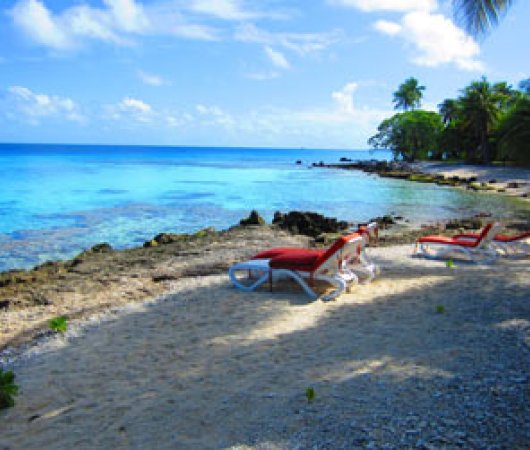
[
  {"x": 487, "y": 122},
  {"x": 409, "y": 94}
]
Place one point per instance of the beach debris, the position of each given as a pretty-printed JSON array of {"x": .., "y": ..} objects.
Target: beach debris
[
  {"x": 8, "y": 389},
  {"x": 308, "y": 223},
  {"x": 253, "y": 219},
  {"x": 58, "y": 324}
]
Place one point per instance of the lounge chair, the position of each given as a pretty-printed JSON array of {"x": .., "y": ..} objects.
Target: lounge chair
[
  {"x": 475, "y": 250},
  {"x": 354, "y": 259},
  {"x": 515, "y": 246},
  {"x": 303, "y": 265}
]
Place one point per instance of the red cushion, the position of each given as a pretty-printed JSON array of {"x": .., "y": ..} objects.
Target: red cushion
[
  {"x": 273, "y": 252},
  {"x": 448, "y": 241},
  {"x": 301, "y": 260},
  {"x": 506, "y": 238}
]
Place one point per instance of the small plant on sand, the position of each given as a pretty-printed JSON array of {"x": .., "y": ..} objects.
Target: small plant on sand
[
  {"x": 58, "y": 324},
  {"x": 440, "y": 309},
  {"x": 8, "y": 389},
  {"x": 450, "y": 263},
  {"x": 310, "y": 394}
]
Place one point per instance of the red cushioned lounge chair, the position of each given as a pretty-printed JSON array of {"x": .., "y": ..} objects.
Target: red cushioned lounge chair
[
  {"x": 516, "y": 246},
  {"x": 475, "y": 250},
  {"x": 354, "y": 259},
  {"x": 303, "y": 265}
]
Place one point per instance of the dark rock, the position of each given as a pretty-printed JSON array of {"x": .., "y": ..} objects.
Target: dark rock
[
  {"x": 104, "y": 247},
  {"x": 299, "y": 161},
  {"x": 308, "y": 223},
  {"x": 466, "y": 224},
  {"x": 168, "y": 238},
  {"x": 384, "y": 221},
  {"x": 472, "y": 179},
  {"x": 253, "y": 219},
  {"x": 501, "y": 190},
  {"x": 513, "y": 185},
  {"x": 344, "y": 159},
  {"x": 525, "y": 195},
  {"x": 4, "y": 304},
  {"x": 40, "y": 299},
  {"x": 492, "y": 181}
]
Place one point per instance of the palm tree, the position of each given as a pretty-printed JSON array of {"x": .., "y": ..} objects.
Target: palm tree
[
  {"x": 449, "y": 109},
  {"x": 481, "y": 105},
  {"x": 479, "y": 16},
  {"x": 408, "y": 96}
]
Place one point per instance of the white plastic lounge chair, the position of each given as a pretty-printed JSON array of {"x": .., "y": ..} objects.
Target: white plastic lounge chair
[
  {"x": 354, "y": 258},
  {"x": 516, "y": 246},
  {"x": 364, "y": 264},
  {"x": 475, "y": 250},
  {"x": 303, "y": 265}
]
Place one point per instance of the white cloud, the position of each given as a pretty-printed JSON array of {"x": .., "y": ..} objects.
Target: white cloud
[
  {"x": 386, "y": 27},
  {"x": 301, "y": 43},
  {"x": 344, "y": 98},
  {"x": 134, "y": 105},
  {"x": 151, "y": 79},
  {"x": 436, "y": 40},
  {"x": 32, "y": 17},
  {"x": 223, "y": 9},
  {"x": 35, "y": 107},
  {"x": 194, "y": 31},
  {"x": 277, "y": 58},
  {"x": 214, "y": 115},
  {"x": 128, "y": 15},
  {"x": 388, "y": 5}
]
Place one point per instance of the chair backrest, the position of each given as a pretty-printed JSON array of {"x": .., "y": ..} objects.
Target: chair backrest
[
  {"x": 487, "y": 234},
  {"x": 370, "y": 231},
  {"x": 343, "y": 248}
]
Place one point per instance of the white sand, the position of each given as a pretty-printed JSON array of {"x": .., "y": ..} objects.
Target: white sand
[{"x": 213, "y": 367}]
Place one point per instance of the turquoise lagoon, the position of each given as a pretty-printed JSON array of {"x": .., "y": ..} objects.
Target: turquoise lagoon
[{"x": 56, "y": 200}]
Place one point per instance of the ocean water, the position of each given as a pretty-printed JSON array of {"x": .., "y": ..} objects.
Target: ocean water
[{"x": 56, "y": 200}]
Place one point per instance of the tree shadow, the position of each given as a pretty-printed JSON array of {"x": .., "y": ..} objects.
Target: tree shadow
[{"x": 212, "y": 367}]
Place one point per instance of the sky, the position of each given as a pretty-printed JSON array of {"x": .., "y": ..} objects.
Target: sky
[{"x": 267, "y": 73}]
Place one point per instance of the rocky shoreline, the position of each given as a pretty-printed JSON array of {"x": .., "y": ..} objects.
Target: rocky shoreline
[
  {"x": 442, "y": 175},
  {"x": 101, "y": 277}
]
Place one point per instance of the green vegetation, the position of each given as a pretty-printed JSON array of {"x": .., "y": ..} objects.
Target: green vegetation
[
  {"x": 450, "y": 263},
  {"x": 487, "y": 122},
  {"x": 440, "y": 309},
  {"x": 310, "y": 394},
  {"x": 58, "y": 324},
  {"x": 8, "y": 389}
]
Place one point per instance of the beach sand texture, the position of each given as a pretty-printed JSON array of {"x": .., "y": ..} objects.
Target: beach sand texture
[{"x": 212, "y": 367}]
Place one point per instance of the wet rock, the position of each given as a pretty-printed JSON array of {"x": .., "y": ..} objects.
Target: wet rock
[
  {"x": 149, "y": 244},
  {"x": 253, "y": 219},
  {"x": 104, "y": 247},
  {"x": 299, "y": 161},
  {"x": 344, "y": 159},
  {"x": 513, "y": 185},
  {"x": 308, "y": 223}
]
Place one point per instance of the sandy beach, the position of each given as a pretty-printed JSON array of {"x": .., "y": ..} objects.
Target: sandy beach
[
  {"x": 207, "y": 366},
  {"x": 512, "y": 181}
]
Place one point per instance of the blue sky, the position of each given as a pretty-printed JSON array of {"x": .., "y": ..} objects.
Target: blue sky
[{"x": 270, "y": 73}]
